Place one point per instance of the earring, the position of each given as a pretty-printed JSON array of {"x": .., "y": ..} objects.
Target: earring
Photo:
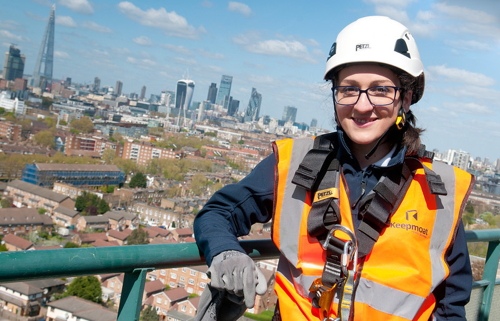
[{"x": 401, "y": 119}]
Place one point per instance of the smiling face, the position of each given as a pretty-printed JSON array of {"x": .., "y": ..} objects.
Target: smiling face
[{"x": 363, "y": 122}]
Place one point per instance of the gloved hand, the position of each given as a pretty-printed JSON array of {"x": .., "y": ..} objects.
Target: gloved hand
[{"x": 237, "y": 273}]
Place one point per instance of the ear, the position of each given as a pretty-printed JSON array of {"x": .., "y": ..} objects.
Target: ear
[{"x": 407, "y": 100}]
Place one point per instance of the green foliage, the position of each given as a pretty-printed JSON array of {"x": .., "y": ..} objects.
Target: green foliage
[
  {"x": 241, "y": 142},
  {"x": 193, "y": 295},
  {"x": 70, "y": 245},
  {"x": 3, "y": 248},
  {"x": 2, "y": 110},
  {"x": 469, "y": 207},
  {"x": 46, "y": 102},
  {"x": 108, "y": 155},
  {"x": 210, "y": 134},
  {"x": 138, "y": 237},
  {"x": 42, "y": 211},
  {"x": 63, "y": 122},
  {"x": 45, "y": 138},
  {"x": 85, "y": 287},
  {"x": 83, "y": 125},
  {"x": 468, "y": 218},
  {"x": 91, "y": 204},
  {"x": 264, "y": 316},
  {"x": 6, "y": 203},
  {"x": 149, "y": 314},
  {"x": 138, "y": 180}
]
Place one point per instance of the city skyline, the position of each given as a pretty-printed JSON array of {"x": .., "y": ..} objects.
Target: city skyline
[{"x": 279, "y": 52}]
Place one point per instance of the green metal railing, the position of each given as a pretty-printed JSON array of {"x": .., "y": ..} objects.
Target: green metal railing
[{"x": 136, "y": 260}]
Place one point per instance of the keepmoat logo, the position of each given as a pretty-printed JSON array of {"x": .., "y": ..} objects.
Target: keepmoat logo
[{"x": 411, "y": 224}]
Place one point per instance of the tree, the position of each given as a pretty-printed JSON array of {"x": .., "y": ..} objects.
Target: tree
[
  {"x": 83, "y": 125},
  {"x": 45, "y": 138},
  {"x": 108, "y": 155},
  {"x": 91, "y": 204},
  {"x": 3, "y": 248},
  {"x": 6, "y": 203},
  {"x": 70, "y": 245},
  {"x": 138, "y": 180},
  {"x": 149, "y": 314},
  {"x": 85, "y": 287},
  {"x": 138, "y": 237},
  {"x": 46, "y": 102}
]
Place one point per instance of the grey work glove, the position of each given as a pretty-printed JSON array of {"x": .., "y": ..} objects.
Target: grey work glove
[{"x": 237, "y": 273}]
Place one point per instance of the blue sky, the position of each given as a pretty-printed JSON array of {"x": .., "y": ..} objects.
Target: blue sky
[{"x": 279, "y": 47}]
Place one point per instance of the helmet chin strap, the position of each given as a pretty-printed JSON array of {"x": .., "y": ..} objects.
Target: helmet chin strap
[{"x": 399, "y": 124}]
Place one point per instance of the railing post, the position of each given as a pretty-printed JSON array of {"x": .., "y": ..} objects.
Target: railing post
[
  {"x": 131, "y": 297},
  {"x": 490, "y": 274}
]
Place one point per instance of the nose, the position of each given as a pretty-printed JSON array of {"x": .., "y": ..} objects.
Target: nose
[{"x": 363, "y": 105}]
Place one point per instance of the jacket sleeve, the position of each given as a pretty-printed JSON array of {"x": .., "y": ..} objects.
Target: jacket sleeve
[
  {"x": 232, "y": 210},
  {"x": 454, "y": 293}
]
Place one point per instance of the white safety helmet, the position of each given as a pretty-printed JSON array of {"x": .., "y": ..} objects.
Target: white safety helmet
[{"x": 378, "y": 39}]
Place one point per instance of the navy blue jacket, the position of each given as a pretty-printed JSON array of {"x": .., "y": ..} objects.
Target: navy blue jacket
[{"x": 233, "y": 209}]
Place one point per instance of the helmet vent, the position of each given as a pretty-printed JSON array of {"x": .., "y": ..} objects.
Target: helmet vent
[
  {"x": 333, "y": 51},
  {"x": 401, "y": 47}
]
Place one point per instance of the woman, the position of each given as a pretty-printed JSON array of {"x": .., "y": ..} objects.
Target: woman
[{"x": 362, "y": 216}]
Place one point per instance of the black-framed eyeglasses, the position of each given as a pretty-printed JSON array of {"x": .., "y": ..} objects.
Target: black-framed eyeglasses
[{"x": 377, "y": 96}]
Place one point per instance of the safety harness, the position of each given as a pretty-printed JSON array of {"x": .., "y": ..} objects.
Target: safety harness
[{"x": 320, "y": 174}]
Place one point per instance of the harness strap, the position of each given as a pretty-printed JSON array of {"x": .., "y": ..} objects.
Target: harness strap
[{"x": 387, "y": 195}]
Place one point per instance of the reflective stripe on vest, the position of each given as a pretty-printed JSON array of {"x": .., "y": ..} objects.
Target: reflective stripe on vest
[{"x": 399, "y": 288}]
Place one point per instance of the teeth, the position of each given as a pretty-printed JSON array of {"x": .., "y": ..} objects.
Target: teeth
[{"x": 363, "y": 121}]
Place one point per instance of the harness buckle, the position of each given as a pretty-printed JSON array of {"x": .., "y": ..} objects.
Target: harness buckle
[{"x": 323, "y": 297}]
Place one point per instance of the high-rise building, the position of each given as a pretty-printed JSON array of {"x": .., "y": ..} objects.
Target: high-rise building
[
  {"x": 227, "y": 102},
  {"x": 314, "y": 122},
  {"x": 184, "y": 94},
  {"x": 143, "y": 93},
  {"x": 46, "y": 55},
  {"x": 289, "y": 114},
  {"x": 224, "y": 89},
  {"x": 118, "y": 88},
  {"x": 212, "y": 93},
  {"x": 97, "y": 84},
  {"x": 233, "y": 108},
  {"x": 13, "y": 66},
  {"x": 253, "y": 108}
]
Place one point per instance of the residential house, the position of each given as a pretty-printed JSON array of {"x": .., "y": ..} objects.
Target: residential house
[
  {"x": 193, "y": 278},
  {"x": 88, "y": 238},
  {"x": 49, "y": 287},
  {"x": 102, "y": 243},
  {"x": 94, "y": 222},
  {"x": 23, "y": 221},
  {"x": 156, "y": 216},
  {"x": 15, "y": 243},
  {"x": 65, "y": 217},
  {"x": 151, "y": 288},
  {"x": 121, "y": 220},
  {"x": 119, "y": 237},
  {"x": 184, "y": 310},
  {"x": 164, "y": 300},
  {"x": 113, "y": 282},
  {"x": 32, "y": 196},
  {"x": 157, "y": 233},
  {"x": 73, "y": 308},
  {"x": 128, "y": 196},
  {"x": 182, "y": 233},
  {"x": 20, "y": 298}
]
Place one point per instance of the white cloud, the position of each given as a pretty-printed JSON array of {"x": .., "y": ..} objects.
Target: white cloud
[
  {"x": 393, "y": 3},
  {"x": 177, "y": 49},
  {"x": 78, "y": 6},
  {"x": 184, "y": 61},
  {"x": 143, "y": 41},
  {"x": 131, "y": 60},
  {"x": 66, "y": 21},
  {"x": 91, "y": 25},
  {"x": 9, "y": 35},
  {"x": 61, "y": 54},
  {"x": 468, "y": 108},
  {"x": 239, "y": 7},
  {"x": 170, "y": 22},
  {"x": 462, "y": 76},
  {"x": 291, "y": 49},
  {"x": 207, "y": 4},
  {"x": 472, "y": 45},
  {"x": 466, "y": 14},
  {"x": 210, "y": 55}
]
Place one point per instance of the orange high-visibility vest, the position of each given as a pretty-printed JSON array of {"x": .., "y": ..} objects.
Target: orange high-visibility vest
[{"x": 406, "y": 263}]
